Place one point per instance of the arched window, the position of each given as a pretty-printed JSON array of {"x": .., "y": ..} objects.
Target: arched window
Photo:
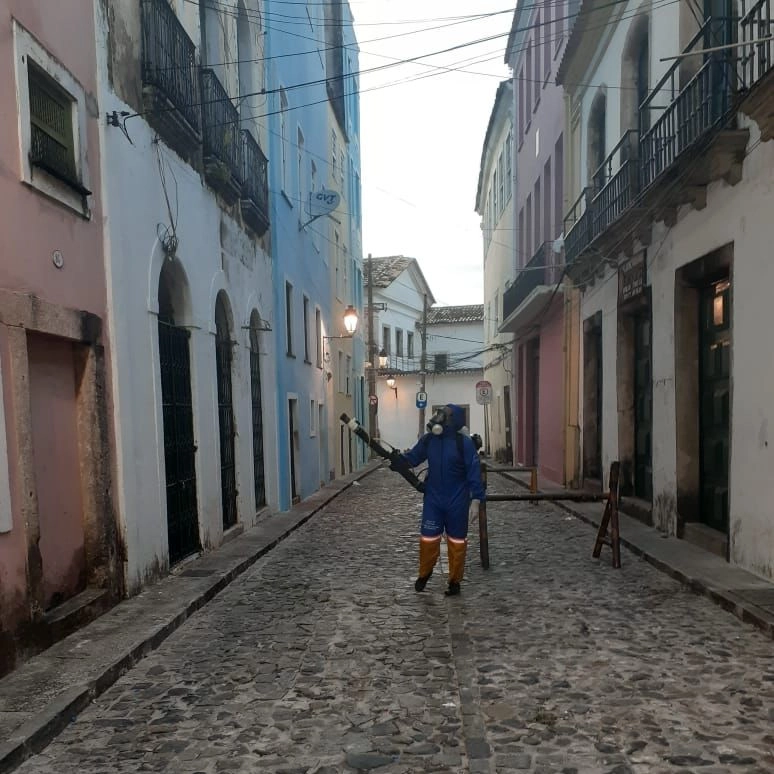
[
  {"x": 246, "y": 56},
  {"x": 596, "y": 144},
  {"x": 213, "y": 49},
  {"x": 635, "y": 75}
]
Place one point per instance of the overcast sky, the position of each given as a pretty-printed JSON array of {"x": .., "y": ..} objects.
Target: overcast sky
[{"x": 421, "y": 139}]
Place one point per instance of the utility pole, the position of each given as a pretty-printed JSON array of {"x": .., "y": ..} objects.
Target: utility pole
[
  {"x": 423, "y": 365},
  {"x": 371, "y": 355}
]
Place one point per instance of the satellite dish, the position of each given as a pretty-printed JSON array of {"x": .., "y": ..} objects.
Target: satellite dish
[{"x": 323, "y": 202}]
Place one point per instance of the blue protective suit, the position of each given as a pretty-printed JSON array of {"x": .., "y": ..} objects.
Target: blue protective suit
[{"x": 453, "y": 479}]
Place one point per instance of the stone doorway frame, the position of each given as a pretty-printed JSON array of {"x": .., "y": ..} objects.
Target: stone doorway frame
[{"x": 21, "y": 313}]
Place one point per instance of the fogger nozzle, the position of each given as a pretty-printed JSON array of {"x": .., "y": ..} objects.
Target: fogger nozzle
[{"x": 352, "y": 423}]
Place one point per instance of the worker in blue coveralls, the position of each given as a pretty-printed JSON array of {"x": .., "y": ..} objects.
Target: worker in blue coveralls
[{"x": 453, "y": 491}]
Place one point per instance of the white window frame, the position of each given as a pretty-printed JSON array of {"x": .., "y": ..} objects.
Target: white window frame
[
  {"x": 26, "y": 48},
  {"x": 301, "y": 173}
]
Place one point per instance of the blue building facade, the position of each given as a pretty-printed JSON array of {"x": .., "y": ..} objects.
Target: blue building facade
[{"x": 308, "y": 48}]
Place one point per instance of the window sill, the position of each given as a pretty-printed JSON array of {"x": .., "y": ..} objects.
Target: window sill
[
  {"x": 290, "y": 354},
  {"x": 59, "y": 191}
]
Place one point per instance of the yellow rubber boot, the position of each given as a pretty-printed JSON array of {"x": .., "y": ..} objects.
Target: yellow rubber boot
[
  {"x": 457, "y": 550},
  {"x": 429, "y": 551}
]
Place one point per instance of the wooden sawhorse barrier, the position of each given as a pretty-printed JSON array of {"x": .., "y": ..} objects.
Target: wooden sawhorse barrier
[{"x": 609, "y": 518}]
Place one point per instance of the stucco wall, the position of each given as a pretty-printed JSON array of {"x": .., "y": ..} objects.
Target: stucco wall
[{"x": 214, "y": 255}]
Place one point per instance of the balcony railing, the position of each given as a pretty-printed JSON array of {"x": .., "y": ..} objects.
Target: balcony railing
[
  {"x": 541, "y": 269},
  {"x": 691, "y": 113},
  {"x": 222, "y": 142},
  {"x": 255, "y": 190},
  {"x": 757, "y": 48},
  {"x": 578, "y": 226},
  {"x": 620, "y": 173},
  {"x": 169, "y": 61}
]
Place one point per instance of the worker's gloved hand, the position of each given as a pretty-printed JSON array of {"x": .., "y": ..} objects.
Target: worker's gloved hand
[
  {"x": 473, "y": 511},
  {"x": 397, "y": 462}
]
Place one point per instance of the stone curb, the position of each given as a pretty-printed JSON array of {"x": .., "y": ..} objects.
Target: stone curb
[
  {"x": 744, "y": 610},
  {"x": 44, "y": 724}
]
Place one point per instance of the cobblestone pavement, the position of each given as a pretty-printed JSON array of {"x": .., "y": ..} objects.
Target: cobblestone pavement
[{"x": 322, "y": 659}]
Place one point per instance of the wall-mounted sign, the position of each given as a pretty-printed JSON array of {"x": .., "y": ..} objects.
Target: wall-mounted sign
[
  {"x": 421, "y": 399},
  {"x": 323, "y": 202},
  {"x": 483, "y": 393},
  {"x": 631, "y": 278}
]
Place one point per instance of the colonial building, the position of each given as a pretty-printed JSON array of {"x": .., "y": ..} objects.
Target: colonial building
[
  {"x": 494, "y": 197},
  {"x": 188, "y": 254},
  {"x": 538, "y": 308},
  {"x": 316, "y": 273},
  {"x": 344, "y": 353},
  {"x": 669, "y": 170},
  {"x": 59, "y": 539}
]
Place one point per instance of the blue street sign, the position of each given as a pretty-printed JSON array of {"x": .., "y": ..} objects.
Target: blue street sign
[{"x": 421, "y": 399}]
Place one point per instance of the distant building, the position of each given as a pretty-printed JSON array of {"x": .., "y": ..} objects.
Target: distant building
[
  {"x": 494, "y": 203},
  {"x": 454, "y": 345}
]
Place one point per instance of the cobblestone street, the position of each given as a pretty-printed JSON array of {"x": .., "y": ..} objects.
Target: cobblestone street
[{"x": 322, "y": 659}]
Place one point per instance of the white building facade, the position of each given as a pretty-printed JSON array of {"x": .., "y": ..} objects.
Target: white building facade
[
  {"x": 189, "y": 276},
  {"x": 669, "y": 168}
]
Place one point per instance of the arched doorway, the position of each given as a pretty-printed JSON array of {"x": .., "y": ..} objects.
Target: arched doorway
[
  {"x": 177, "y": 416},
  {"x": 259, "y": 472},
  {"x": 223, "y": 366}
]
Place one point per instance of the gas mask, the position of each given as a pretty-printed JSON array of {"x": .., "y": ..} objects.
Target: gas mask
[{"x": 441, "y": 418}]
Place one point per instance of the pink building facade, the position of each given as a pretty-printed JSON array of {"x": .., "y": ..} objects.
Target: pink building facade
[
  {"x": 59, "y": 540},
  {"x": 534, "y": 304}
]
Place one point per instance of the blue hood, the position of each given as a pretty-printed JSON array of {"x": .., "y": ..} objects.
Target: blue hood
[{"x": 458, "y": 416}]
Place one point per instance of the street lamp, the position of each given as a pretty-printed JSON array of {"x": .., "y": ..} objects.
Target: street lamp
[
  {"x": 391, "y": 385},
  {"x": 350, "y": 323},
  {"x": 350, "y": 319},
  {"x": 383, "y": 358}
]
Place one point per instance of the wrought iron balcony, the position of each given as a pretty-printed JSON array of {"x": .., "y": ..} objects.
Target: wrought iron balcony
[
  {"x": 756, "y": 63},
  {"x": 170, "y": 75},
  {"x": 578, "y": 227},
  {"x": 255, "y": 190},
  {"x": 757, "y": 47},
  {"x": 222, "y": 141},
  {"x": 526, "y": 300},
  {"x": 691, "y": 113},
  {"x": 619, "y": 175},
  {"x": 541, "y": 269}
]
